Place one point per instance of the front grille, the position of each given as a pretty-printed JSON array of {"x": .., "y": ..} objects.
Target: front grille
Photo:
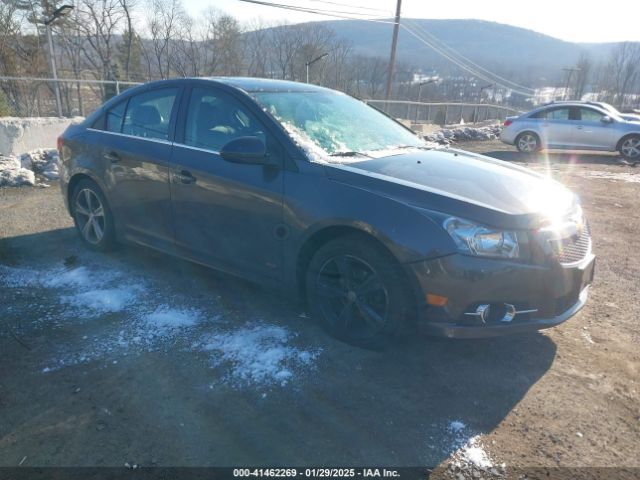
[{"x": 572, "y": 249}]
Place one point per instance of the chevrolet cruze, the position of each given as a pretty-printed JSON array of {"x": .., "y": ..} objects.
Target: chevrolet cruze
[
  {"x": 309, "y": 189},
  {"x": 575, "y": 126}
]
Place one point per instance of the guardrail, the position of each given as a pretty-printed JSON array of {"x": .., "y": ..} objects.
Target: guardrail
[{"x": 443, "y": 113}]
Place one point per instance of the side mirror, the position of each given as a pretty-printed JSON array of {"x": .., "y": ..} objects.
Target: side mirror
[
  {"x": 246, "y": 150},
  {"x": 606, "y": 119}
]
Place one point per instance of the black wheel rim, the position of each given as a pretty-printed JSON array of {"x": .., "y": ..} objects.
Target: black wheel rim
[
  {"x": 90, "y": 216},
  {"x": 352, "y": 296}
]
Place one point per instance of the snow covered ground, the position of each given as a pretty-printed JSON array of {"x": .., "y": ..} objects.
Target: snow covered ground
[
  {"x": 21, "y": 170},
  {"x": 137, "y": 318}
]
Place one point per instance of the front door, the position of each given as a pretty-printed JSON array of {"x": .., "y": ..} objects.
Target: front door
[
  {"x": 592, "y": 132},
  {"x": 225, "y": 214}
]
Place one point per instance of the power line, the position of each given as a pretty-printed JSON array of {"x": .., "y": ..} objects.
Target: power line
[
  {"x": 389, "y": 12},
  {"x": 463, "y": 65},
  {"x": 462, "y": 58},
  {"x": 328, "y": 13}
]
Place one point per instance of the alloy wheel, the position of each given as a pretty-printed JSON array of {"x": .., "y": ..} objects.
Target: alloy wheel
[
  {"x": 630, "y": 148},
  {"x": 527, "y": 143},
  {"x": 352, "y": 296},
  {"x": 90, "y": 216}
]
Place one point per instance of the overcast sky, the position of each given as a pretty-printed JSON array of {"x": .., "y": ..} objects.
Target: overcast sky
[{"x": 572, "y": 20}]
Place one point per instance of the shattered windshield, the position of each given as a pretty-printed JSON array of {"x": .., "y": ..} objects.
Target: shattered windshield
[{"x": 328, "y": 125}]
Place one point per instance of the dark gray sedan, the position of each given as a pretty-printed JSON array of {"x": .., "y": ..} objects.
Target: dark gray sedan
[{"x": 312, "y": 190}]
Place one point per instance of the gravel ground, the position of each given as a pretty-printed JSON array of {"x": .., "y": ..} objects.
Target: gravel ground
[{"x": 137, "y": 358}]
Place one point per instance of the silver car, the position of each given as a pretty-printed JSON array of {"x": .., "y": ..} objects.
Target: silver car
[{"x": 573, "y": 126}]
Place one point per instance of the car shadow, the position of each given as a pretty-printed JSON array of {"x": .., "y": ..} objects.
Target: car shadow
[{"x": 414, "y": 404}]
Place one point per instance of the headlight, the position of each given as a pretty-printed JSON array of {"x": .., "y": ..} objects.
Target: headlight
[{"x": 483, "y": 241}]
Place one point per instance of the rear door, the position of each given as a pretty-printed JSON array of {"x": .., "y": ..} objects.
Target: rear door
[
  {"x": 557, "y": 128},
  {"x": 226, "y": 214},
  {"x": 592, "y": 132},
  {"x": 137, "y": 155}
]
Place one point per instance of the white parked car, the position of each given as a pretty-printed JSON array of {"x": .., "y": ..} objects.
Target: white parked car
[{"x": 574, "y": 126}]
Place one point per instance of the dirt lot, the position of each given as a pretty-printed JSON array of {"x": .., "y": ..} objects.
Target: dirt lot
[{"x": 135, "y": 357}]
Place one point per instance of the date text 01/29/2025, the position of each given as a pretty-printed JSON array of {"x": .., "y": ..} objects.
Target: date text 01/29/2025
[{"x": 316, "y": 472}]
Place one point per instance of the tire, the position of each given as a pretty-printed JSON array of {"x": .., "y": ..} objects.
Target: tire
[
  {"x": 358, "y": 291},
  {"x": 528, "y": 142},
  {"x": 92, "y": 216},
  {"x": 630, "y": 148}
]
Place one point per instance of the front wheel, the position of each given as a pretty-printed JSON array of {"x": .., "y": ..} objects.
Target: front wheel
[
  {"x": 357, "y": 291},
  {"x": 92, "y": 216},
  {"x": 630, "y": 147},
  {"x": 528, "y": 142}
]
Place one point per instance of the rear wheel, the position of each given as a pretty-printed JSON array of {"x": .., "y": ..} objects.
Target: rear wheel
[
  {"x": 528, "y": 142},
  {"x": 92, "y": 216},
  {"x": 630, "y": 147},
  {"x": 357, "y": 291}
]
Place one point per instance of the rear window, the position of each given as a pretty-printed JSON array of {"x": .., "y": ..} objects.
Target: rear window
[
  {"x": 553, "y": 114},
  {"x": 148, "y": 114}
]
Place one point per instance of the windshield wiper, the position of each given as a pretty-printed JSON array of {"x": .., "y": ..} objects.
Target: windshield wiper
[
  {"x": 350, "y": 153},
  {"x": 419, "y": 147}
]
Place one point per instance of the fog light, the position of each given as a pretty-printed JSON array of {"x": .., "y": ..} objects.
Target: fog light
[
  {"x": 436, "y": 300},
  {"x": 482, "y": 312}
]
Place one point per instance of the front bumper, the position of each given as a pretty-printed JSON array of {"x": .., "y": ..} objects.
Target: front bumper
[{"x": 554, "y": 292}]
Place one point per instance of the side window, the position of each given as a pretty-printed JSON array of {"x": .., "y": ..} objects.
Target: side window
[
  {"x": 148, "y": 114},
  {"x": 540, "y": 114},
  {"x": 214, "y": 118},
  {"x": 590, "y": 115},
  {"x": 558, "y": 114},
  {"x": 115, "y": 116}
]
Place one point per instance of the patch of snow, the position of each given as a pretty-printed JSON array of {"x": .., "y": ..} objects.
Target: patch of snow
[
  {"x": 446, "y": 135},
  {"x": 97, "y": 302},
  {"x": 259, "y": 354},
  {"x": 165, "y": 323},
  {"x": 456, "y": 426},
  {"x": 17, "y": 171},
  {"x": 12, "y": 173},
  {"x": 468, "y": 451},
  {"x": 472, "y": 452},
  {"x": 254, "y": 354},
  {"x": 43, "y": 160}
]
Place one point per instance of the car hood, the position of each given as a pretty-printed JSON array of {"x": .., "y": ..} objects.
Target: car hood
[{"x": 462, "y": 184}]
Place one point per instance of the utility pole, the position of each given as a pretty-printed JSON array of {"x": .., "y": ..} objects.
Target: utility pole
[
  {"x": 569, "y": 75},
  {"x": 57, "y": 13},
  {"x": 394, "y": 44}
]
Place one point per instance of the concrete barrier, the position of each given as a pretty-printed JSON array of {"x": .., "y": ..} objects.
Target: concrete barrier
[{"x": 19, "y": 135}]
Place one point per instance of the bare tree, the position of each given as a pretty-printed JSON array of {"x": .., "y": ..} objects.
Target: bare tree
[
  {"x": 624, "y": 71},
  {"x": 100, "y": 21},
  {"x": 583, "y": 71},
  {"x": 164, "y": 19}
]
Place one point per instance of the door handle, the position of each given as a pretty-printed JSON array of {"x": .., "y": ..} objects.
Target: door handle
[
  {"x": 185, "y": 177},
  {"x": 579, "y": 127},
  {"x": 112, "y": 156}
]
